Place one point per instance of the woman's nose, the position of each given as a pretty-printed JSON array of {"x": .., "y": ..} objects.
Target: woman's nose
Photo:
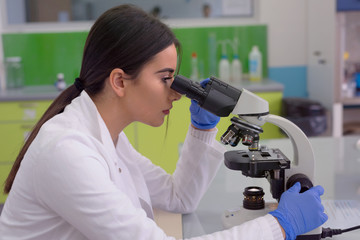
[{"x": 175, "y": 95}]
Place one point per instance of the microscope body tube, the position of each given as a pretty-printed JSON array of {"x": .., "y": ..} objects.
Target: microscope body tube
[{"x": 217, "y": 97}]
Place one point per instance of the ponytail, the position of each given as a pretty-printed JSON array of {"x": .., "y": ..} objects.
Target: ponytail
[{"x": 55, "y": 108}]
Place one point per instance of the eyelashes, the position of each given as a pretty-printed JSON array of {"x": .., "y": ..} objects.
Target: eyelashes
[{"x": 166, "y": 79}]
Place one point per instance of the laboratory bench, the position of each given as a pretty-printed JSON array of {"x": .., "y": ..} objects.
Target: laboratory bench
[{"x": 337, "y": 169}]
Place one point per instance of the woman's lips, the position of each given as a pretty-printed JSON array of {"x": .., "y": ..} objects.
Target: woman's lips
[{"x": 166, "y": 112}]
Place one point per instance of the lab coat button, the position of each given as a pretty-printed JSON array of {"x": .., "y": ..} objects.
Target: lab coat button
[{"x": 119, "y": 170}]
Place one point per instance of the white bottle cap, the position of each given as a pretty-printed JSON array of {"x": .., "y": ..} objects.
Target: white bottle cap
[{"x": 60, "y": 76}]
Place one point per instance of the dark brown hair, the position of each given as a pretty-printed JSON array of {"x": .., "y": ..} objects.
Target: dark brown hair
[{"x": 123, "y": 37}]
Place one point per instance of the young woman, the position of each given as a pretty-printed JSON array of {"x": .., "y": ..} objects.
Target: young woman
[{"x": 78, "y": 177}]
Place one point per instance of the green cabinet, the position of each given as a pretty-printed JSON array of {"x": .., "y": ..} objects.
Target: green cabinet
[{"x": 16, "y": 121}]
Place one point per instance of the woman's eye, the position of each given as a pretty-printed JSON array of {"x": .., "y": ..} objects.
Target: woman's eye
[{"x": 165, "y": 79}]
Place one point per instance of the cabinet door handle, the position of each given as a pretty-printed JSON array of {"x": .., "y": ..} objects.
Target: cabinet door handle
[
  {"x": 27, "y": 126},
  {"x": 28, "y": 105},
  {"x": 317, "y": 53},
  {"x": 29, "y": 114}
]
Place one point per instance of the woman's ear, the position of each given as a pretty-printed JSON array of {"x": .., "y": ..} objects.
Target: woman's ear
[{"x": 116, "y": 80}]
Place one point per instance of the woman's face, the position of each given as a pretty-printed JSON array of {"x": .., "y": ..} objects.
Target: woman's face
[{"x": 149, "y": 96}]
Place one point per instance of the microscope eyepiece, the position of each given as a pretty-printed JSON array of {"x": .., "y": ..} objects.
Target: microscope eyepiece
[
  {"x": 217, "y": 97},
  {"x": 189, "y": 88}
]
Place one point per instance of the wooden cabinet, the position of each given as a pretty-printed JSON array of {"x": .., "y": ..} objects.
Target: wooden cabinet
[{"x": 16, "y": 121}]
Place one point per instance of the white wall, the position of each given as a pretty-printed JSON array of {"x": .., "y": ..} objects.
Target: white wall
[
  {"x": 177, "y": 8},
  {"x": 287, "y": 36},
  {"x": 2, "y": 72},
  {"x": 169, "y": 8},
  {"x": 17, "y": 9}
]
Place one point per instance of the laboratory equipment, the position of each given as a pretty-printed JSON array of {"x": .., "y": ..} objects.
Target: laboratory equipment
[
  {"x": 251, "y": 112},
  {"x": 194, "y": 67},
  {"x": 255, "y": 64},
  {"x": 308, "y": 115},
  {"x": 224, "y": 64},
  {"x": 236, "y": 66},
  {"x": 212, "y": 53},
  {"x": 236, "y": 70},
  {"x": 60, "y": 83},
  {"x": 14, "y": 72}
]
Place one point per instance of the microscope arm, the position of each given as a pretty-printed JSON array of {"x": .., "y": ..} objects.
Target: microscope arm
[{"x": 304, "y": 160}]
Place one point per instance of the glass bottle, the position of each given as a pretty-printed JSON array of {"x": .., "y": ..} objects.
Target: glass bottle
[{"x": 14, "y": 72}]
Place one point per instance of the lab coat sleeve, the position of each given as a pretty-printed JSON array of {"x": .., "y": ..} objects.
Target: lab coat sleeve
[{"x": 199, "y": 161}]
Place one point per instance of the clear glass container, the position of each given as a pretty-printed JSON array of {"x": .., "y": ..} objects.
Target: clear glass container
[{"x": 14, "y": 72}]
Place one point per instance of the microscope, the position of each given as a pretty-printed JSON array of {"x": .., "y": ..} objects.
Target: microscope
[{"x": 250, "y": 114}]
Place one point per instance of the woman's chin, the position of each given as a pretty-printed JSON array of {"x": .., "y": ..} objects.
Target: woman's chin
[{"x": 155, "y": 123}]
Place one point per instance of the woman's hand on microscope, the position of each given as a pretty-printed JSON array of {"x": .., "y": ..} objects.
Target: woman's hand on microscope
[
  {"x": 299, "y": 213},
  {"x": 201, "y": 118}
]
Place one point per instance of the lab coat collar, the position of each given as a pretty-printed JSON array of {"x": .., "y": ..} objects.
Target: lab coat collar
[
  {"x": 97, "y": 128},
  {"x": 94, "y": 123}
]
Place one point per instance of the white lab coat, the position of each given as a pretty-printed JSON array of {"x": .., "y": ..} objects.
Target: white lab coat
[{"x": 75, "y": 184}]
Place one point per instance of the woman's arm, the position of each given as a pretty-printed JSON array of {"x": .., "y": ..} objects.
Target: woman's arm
[{"x": 200, "y": 158}]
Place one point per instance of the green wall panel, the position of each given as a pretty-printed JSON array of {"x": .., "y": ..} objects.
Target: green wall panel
[{"x": 46, "y": 54}]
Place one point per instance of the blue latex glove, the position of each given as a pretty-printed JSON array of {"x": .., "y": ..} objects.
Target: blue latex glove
[
  {"x": 299, "y": 213},
  {"x": 201, "y": 118}
]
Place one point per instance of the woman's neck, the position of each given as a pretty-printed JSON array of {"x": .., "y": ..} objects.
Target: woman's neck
[{"x": 113, "y": 114}]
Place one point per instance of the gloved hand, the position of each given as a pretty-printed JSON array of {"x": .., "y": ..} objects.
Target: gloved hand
[
  {"x": 201, "y": 118},
  {"x": 299, "y": 213}
]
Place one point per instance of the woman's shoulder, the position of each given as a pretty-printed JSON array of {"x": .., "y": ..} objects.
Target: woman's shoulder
[{"x": 63, "y": 138}]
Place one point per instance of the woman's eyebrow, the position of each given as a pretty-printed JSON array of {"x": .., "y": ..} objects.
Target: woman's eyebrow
[{"x": 166, "y": 70}]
